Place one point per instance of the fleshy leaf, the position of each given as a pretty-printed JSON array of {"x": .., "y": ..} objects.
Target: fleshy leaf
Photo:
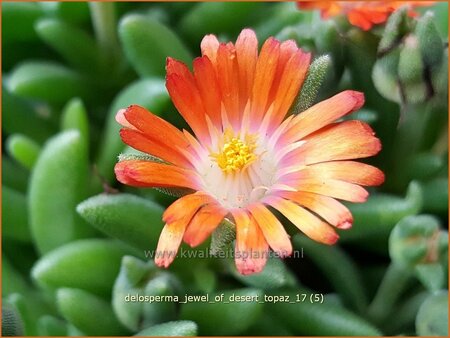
[
  {"x": 89, "y": 313},
  {"x": 234, "y": 316},
  {"x": 129, "y": 218},
  {"x": 58, "y": 183},
  {"x": 90, "y": 264},
  {"x": 172, "y": 329},
  {"x": 147, "y": 43}
]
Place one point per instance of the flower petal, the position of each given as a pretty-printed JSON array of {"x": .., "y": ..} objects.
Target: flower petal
[
  {"x": 340, "y": 141},
  {"x": 169, "y": 242},
  {"x": 326, "y": 207},
  {"x": 251, "y": 251},
  {"x": 186, "y": 205},
  {"x": 273, "y": 230},
  {"x": 322, "y": 114},
  {"x": 246, "y": 55},
  {"x": 204, "y": 223},
  {"x": 185, "y": 95},
  {"x": 140, "y": 173},
  {"x": 227, "y": 74},
  {"x": 177, "y": 217},
  {"x": 141, "y": 142},
  {"x": 349, "y": 171},
  {"x": 208, "y": 86},
  {"x": 359, "y": 19},
  {"x": 309, "y": 224},
  {"x": 291, "y": 80},
  {"x": 209, "y": 47},
  {"x": 266, "y": 67}
]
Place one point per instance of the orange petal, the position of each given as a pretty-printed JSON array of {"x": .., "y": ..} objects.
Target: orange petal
[
  {"x": 349, "y": 171},
  {"x": 291, "y": 81},
  {"x": 186, "y": 205},
  {"x": 174, "y": 66},
  {"x": 206, "y": 79},
  {"x": 330, "y": 187},
  {"x": 186, "y": 98},
  {"x": 309, "y": 224},
  {"x": 358, "y": 19},
  {"x": 209, "y": 47},
  {"x": 326, "y": 207},
  {"x": 251, "y": 251},
  {"x": 153, "y": 126},
  {"x": 322, "y": 114},
  {"x": 273, "y": 230},
  {"x": 266, "y": 67},
  {"x": 151, "y": 174},
  {"x": 169, "y": 242},
  {"x": 340, "y": 141},
  {"x": 204, "y": 223},
  {"x": 287, "y": 50},
  {"x": 246, "y": 55},
  {"x": 168, "y": 153},
  {"x": 228, "y": 76}
]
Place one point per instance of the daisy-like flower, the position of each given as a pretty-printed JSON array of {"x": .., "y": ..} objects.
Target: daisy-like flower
[
  {"x": 246, "y": 156},
  {"x": 363, "y": 14}
]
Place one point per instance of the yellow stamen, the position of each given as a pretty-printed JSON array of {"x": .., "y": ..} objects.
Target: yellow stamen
[{"x": 235, "y": 154}]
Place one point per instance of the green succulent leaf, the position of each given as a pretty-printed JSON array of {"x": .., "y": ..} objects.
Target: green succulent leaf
[
  {"x": 47, "y": 81},
  {"x": 76, "y": 12},
  {"x": 435, "y": 195},
  {"x": 18, "y": 20},
  {"x": 19, "y": 117},
  {"x": 170, "y": 329},
  {"x": 13, "y": 175},
  {"x": 89, "y": 264},
  {"x": 320, "y": 319},
  {"x": 11, "y": 322},
  {"x": 89, "y": 313},
  {"x": 76, "y": 46},
  {"x": 274, "y": 276},
  {"x": 58, "y": 183},
  {"x": 12, "y": 280},
  {"x": 432, "y": 318},
  {"x": 147, "y": 43},
  {"x": 234, "y": 317},
  {"x": 51, "y": 326},
  {"x": 23, "y": 149},
  {"x": 216, "y": 17},
  {"x": 146, "y": 280},
  {"x": 339, "y": 269},
  {"x": 378, "y": 216},
  {"x": 129, "y": 218},
  {"x": 75, "y": 116},
  {"x": 314, "y": 79},
  {"x": 15, "y": 215}
]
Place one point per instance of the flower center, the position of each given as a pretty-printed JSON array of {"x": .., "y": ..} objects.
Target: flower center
[{"x": 236, "y": 154}]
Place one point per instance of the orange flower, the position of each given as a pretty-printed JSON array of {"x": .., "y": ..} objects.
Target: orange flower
[
  {"x": 363, "y": 14},
  {"x": 246, "y": 155}
]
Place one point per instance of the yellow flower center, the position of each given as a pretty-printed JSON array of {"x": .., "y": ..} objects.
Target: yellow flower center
[{"x": 235, "y": 154}]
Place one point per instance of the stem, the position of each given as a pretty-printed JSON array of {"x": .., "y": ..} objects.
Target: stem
[
  {"x": 407, "y": 143},
  {"x": 393, "y": 284}
]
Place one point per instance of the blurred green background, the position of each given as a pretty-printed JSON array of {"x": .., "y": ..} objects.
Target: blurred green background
[{"x": 74, "y": 240}]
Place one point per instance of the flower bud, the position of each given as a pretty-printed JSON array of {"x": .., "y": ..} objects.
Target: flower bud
[
  {"x": 417, "y": 242},
  {"x": 410, "y": 60}
]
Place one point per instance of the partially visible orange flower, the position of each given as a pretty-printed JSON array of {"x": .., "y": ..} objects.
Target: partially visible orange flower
[
  {"x": 363, "y": 14},
  {"x": 246, "y": 155}
]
